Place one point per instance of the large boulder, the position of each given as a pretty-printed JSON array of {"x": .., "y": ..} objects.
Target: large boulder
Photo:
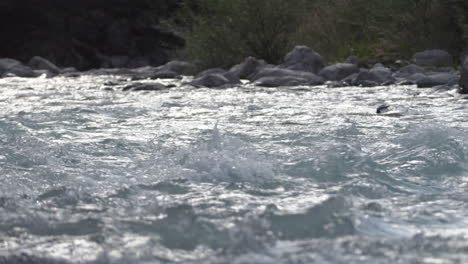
[
  {"x": 11, "y": 67},
  {"x": 302, "y": 58},
  {"x": 39, "y": 63},
  {"x": 408, "y": 70},
  {"x": 247, "y": 68},
  {"x": 437, "y": 79},
  {"x": 338, "y": 71},
  {"x": 464, "y": 77},
  {"x": 433, "y": 58},
  {"x": 311, "y": 78},
  {"x": 378, "y": 75}
]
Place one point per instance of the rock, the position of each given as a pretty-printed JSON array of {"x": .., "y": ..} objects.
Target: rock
[
  {"x": 7, "y": 63},
  {"x": 210, "y": 71},
  {"x": 69, "y": 69},
  {"x": 378, "y": 75},
  {"x": 433, "y": 58},
  {"x": 338, "y": 71},
  {"x": 231, "y": 76},
  {"x": 44, "y": 73},
  {"x": 164, "y": 75},
  {"x": 311, "y": 78},
  {"x": 39, "y": 63},
  {"x": 302, "y": 58},
  {"x": 145, "y": 87},
  {"x": 249, "y": 67},
  {"x": 437, "y": 79},
  {"x": 11, "y": 67},
  {"x": 464, "y": 77},
  {"x": 350, "y": 80},
  {"x": 408, "y": 70},
  {"x": 180, "y": 67},
  {"x": 352, "y": 60},
  {"x": 281, "y": 81},
  {"x": 383, "y": 108},
  {"x": 211, "y": 80}
]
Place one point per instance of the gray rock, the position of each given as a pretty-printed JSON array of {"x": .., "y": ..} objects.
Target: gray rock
[
  {"x": 338, "y": 71},
  {"x": 433, "y": 58},
  {"x": 39, "y": 63},
  {"x": 69, "y": 69},
  {"x": 232, "y": 76},
  {"x": 302, "y": 58},
  {"x": 6, "y": 64},
  {"x": 164, "y": 75},
  {"x": 145, "y": 87},
  {"x": 45, "y": 73},
  {"x": 212, "y": 80},
  {"x": 249, "y": 67},
  {"x": 378, "y": 75},
  {"x": 281, "y": 81},
  {"x": 464, "y": 77},
  {"x": 437, "y": 79},
  {"x": 311, "y": 78},
  {"x": 180, "y": 67},
  {"x": 11, "y": 67},
  {"x": 210, "y": 71},
  {"x": 408, "y": 70}
]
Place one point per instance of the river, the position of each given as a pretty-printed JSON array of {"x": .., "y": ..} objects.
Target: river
[{"x": 303, "y": 174}]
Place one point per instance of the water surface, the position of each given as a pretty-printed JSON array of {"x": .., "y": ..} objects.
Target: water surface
[{"x": 239, "y": 175}]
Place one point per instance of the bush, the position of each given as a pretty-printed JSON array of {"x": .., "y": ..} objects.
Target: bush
[{"x": 224, "y": 32}]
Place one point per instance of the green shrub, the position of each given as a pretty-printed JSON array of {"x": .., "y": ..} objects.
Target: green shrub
[{"x": 224, "y": 32}]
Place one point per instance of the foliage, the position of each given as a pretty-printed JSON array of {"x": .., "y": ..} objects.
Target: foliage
[{"x": 222, "y": 32}]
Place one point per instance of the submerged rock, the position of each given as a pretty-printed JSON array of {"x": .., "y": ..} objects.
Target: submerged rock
[
  {"x": 302, "y": 58},
  {"x": 463, "y": 82},
  {"x": 433, "y": 58},
  {"x": 145, "y": 87},
  {"x": 39, "y": 63},
  {"x": 338, "y": 71}
]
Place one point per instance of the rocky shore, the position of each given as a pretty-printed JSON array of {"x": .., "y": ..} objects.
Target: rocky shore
[{"x": 301, "y": 66}]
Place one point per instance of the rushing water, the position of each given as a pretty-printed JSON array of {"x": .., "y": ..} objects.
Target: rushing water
[{"x": 240, "y": 175}]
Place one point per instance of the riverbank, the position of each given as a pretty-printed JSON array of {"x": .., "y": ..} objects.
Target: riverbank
[{"x": 302, "y": 66}]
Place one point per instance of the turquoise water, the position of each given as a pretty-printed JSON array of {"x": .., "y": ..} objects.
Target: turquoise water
[{"x": 240, "y": 175}]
